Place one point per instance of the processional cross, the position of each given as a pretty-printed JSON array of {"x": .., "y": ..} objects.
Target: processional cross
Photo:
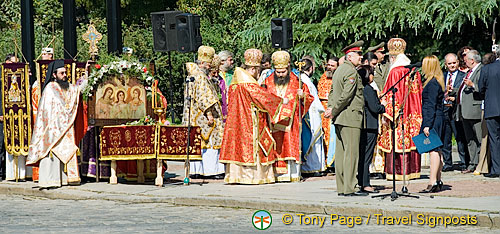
[{"x": 92, "y": 36}]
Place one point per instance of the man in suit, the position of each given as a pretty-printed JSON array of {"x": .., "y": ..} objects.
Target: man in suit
[
  {"x": 453, "y": 78},
  {"x": 469, "y": 109},
  {"x": 488, "y": 89},
  {"x": 345, "y": 107}
]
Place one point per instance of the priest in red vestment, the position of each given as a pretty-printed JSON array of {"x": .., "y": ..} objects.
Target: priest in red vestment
[
  {"x": 408, "y": 97},
  {"x": 286, "y": 132},
  {"x": 248, "y": 148}
]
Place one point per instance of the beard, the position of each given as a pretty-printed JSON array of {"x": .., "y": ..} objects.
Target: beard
[
  {"x": 64, "y": 84},
  {"x": 226, "y": 67},
  {"x": 205, "y": 71},
  {"x": 329, "y": 73},
  {"x": 281, "y": 80}
]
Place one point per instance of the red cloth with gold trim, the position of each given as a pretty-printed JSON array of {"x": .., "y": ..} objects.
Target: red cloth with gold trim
[
  {"x": 411, "y": 97},
  {"x": 324, "y": 87},
  {"x": 286, "y": 132},
  {"x": 249, "y": 108}
]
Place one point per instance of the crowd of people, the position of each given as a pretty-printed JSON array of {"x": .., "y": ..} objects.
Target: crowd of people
[{"x": 268, "y": 121}]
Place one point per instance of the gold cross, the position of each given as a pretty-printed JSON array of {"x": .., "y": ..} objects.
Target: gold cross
[{"x": 92, "y": 36}]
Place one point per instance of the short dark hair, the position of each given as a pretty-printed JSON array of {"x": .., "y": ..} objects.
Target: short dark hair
[
  {"x": 369, "y": 56},
  {"x": 364, "y": 72},
  {"x": 308, "y": 64},
  {"x": 265, "y": 58},
  {"x": 334, "y": 58},
  {"x": 9, "y": 57}
]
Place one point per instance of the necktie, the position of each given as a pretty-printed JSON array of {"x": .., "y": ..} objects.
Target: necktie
[
  {"x": 462, "y": 86},
  {"x": 447, "y": 90}
]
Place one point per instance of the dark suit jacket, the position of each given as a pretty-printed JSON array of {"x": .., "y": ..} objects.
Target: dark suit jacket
[
  {"x": 432, "y": 107},
  {"x": 372, "y": 108},
  {"x": 456, "y": 85},
  {"x": 489, "y": 89}
]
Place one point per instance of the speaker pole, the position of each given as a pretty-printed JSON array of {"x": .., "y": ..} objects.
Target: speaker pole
[
  {"x": 171, "y": 93},
  {"x": 28, "y": 35},
  {"x": 69, "y": 25},
  {"x": 114, "y": 21}
]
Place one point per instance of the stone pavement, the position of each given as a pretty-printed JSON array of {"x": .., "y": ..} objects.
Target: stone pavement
[{"x": 463, "y": 195}]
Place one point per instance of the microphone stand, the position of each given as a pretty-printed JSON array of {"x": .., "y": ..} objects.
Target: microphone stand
[{"x": 394, "y": 195}]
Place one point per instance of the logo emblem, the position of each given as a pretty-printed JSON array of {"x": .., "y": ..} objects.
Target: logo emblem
[{"x": 262, "y": 220}]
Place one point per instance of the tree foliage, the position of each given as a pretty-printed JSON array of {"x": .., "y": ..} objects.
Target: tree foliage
[{"x": 320, "y": 27}]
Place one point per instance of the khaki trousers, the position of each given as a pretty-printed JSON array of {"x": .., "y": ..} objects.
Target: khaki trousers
[{"x": 346, "y": 158}]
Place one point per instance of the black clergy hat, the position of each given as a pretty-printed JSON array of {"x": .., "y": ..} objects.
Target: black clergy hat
[{"x": 53, "y": 66}]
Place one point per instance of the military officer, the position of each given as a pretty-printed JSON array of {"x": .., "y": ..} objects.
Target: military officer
[
  {"x": 382, "y": 68},
  {"x": 345, "y": 107}
]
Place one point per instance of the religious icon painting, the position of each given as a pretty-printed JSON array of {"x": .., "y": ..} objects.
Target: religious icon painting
[
  {"x": 119, "y": 99},
  {"x": 16, "y": 108}
]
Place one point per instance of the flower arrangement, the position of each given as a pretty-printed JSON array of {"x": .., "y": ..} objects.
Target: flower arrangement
[
  {"x": 102, "y": 72},
  {"x": 146, "y": 120}
]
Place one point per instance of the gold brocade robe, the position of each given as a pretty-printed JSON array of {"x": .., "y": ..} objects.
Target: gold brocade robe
[
  {"x": 53, "y": 130},
  {"x": 247, "y": 135},
  {"x": 204, "y": 98}
]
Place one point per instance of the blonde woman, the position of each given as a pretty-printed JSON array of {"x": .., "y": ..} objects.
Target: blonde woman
[{"x": 433, "y": 117}]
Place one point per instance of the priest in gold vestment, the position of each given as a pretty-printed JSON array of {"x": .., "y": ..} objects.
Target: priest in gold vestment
[
  {"x": 53, "y": 141},
  {"x": 206, "y": 112},
  {"x": 248, "y": 148}
]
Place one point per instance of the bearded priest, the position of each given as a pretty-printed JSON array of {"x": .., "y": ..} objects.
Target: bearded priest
[
  {"x": 286, "y": 132},
  {"x": 53, "y": 141}
]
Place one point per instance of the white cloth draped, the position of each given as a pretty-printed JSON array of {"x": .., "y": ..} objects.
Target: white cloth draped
[{"x": 315, "y": 155}]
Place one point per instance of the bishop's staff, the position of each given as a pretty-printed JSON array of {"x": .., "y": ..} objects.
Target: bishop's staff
[{"x": 300, "y": 64}]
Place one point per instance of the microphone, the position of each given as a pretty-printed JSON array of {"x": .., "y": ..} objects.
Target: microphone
[
  {"x": 419, "y": 64},
  {"x": 189, "y": 79}
]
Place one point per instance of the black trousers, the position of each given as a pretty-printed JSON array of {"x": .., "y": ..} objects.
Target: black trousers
[
  {"x": 367, "y": 142},
  {"x": 455, "y": 128},
  {"x": 493, "y": 125}
]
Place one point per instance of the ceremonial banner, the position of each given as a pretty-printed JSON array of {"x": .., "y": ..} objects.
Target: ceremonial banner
[
  {"x": 42, "y": 66},
  {"x": 128, "y": 142},
  {"x": 16, "y": 108},
  {"x": 173, "y": 142}
]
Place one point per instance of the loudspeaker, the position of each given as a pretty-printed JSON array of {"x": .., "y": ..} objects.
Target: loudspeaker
[
  {"x": 188, "y": 32},
  {"x": 281, "y": 33},
  {"x": 164, "y": 30}
]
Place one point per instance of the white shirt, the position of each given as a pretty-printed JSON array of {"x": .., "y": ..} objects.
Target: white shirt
[{"x": 453, "y": 78}]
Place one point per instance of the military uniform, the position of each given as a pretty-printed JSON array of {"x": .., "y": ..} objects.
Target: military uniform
[
  {"x": 381, "y": 74},
  {"x": 381, "y": 70},
  {"x": 346, "y": 101}
]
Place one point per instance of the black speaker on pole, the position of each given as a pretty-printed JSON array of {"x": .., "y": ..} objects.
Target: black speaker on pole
[
  {"x": 188, "y": 32},
  {"x": 164, "y": 30},
  {"x": 281, "y": 33}
]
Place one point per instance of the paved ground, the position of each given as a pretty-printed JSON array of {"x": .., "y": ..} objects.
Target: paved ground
[
  {"x": 218, "y": 207},
  {"x": 21, "y": 214}
]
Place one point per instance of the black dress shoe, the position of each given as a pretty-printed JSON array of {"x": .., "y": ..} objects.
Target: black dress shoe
[
  {"x": 218, "y": 177},
  {"x": 440, "y": 185},
  {"x": 490, "y": 175},
  {"x": 431, "y": 189},
  {"x": 367, "y": 191},
  {"x": 356, "y": 194},
  {"x": 445, "y": 169},
  {"x": 340, "y": 194}
]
